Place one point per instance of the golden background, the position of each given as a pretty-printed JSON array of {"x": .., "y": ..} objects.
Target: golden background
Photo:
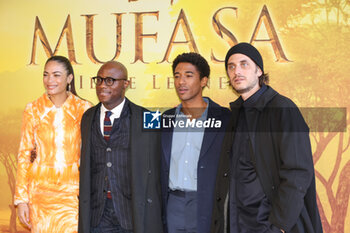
[{"x": 314, "y": 36}]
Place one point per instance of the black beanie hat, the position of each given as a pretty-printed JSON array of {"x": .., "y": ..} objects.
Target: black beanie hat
[{"x": 248, "y": 50}]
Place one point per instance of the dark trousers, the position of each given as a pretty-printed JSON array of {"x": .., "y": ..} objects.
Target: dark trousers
[
  {"x": 182, "y": 212},
  {"x": 109, "y": 221}
]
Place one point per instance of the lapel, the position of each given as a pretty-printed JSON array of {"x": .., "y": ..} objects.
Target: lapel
[
  {"x": 136, "y": 139},
  {"x": 139, "y": 147},
  {"x": 167, "y": 137},
  {"x": 252, "y": 114},
  {"x": 86, "y": 130},
  {"x": 116, "y": 122},
  {"x": 235, "y": 107},
  {"x": 214, "y": 111},
  {"x": 97, "y": 116}
]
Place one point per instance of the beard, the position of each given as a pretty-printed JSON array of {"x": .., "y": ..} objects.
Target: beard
[{"x": 246, "y": 89}]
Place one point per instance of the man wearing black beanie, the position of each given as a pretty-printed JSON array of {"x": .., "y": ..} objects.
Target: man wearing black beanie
[{"x": 265, "y": 181}]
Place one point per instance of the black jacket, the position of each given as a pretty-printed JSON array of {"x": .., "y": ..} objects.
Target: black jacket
[{"x": 281, "y": 154}]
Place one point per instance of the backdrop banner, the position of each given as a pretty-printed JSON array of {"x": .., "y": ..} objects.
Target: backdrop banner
[{"x": 304, "y": 44}]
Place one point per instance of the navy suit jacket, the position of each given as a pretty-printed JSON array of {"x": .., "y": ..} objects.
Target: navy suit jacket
[{"x": 207, "y": 165}]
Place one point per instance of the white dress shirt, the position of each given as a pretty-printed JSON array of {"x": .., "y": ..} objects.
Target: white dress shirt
[{"x": 115, "y": 114}]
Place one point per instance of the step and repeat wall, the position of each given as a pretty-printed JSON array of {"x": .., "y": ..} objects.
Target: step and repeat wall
[{"x": 304, "y": 44}]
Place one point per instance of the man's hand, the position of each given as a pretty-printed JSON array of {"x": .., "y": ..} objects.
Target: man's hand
[{"x": 23, "y": 214}]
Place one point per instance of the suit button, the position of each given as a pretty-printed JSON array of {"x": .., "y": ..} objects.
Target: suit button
[
  {"x": 149, "y": 171},
  {"x": 201, "y": 167},
  {"x": 149, "y": 200},
  {"x": 218, "y": 199},
  {"x": 273, "y": 187},
  {"x": 109, "y": 164},
  {"x": 108, "y": 149},
  {"x": 225, "y": 174},
  {"x": 216, "y": 222}
]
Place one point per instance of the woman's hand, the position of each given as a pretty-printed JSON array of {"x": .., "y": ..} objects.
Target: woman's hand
[{"x": 23, "y": 214}]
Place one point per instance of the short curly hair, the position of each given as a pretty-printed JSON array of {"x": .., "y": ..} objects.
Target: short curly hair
[{"x": 195, "y": 59}]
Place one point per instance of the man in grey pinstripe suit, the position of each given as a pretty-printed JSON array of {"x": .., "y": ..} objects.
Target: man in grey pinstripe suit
[{"x": 119, "y": 172}]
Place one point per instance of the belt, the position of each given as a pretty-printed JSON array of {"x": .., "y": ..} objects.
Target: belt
[{"x": 180, "y": 193}]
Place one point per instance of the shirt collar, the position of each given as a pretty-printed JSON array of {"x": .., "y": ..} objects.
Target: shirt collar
[
  {"x": 116, "y": 111},
  {"x": 67, "y": 102},
  {"x": 251, "y": 101},
  {"x": 204, "y": 114}
]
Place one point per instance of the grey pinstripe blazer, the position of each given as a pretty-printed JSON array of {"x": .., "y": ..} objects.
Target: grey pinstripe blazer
[{"x": 145, "y": 180}]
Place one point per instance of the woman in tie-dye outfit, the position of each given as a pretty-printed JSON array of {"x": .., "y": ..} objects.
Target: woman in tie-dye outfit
[{"x": 48, "y": 179}]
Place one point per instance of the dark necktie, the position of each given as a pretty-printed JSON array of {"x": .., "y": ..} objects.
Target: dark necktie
[{"x": 107, "y": 126}]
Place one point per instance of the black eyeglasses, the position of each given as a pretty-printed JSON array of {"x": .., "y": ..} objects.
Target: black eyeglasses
[{"x": 108, "y": 80}]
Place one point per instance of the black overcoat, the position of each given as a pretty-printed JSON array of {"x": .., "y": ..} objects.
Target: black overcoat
[{"x": 281, "y": 153}]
